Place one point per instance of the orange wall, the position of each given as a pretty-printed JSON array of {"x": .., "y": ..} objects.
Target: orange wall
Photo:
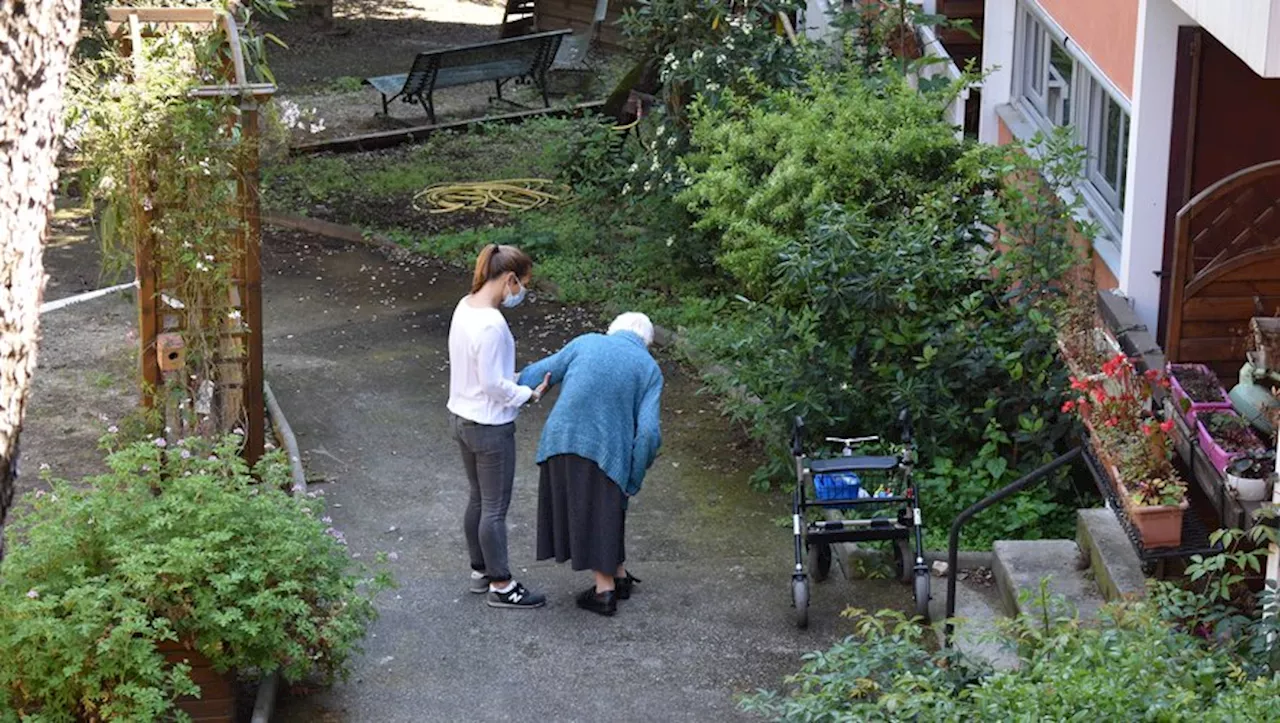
[{"x": 1107, "y": 30}]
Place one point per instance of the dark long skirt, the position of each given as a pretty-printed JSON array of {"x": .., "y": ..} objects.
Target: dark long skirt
[{"x": 580, "y": 515}]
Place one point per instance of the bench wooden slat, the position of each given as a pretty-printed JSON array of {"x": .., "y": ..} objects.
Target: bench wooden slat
[{"x": 494, "y": 70}]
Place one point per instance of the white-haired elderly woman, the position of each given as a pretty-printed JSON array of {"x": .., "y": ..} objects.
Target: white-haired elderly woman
[{"x": 598, "y": 443}]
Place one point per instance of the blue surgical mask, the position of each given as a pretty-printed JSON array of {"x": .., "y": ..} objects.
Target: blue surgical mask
[{"x": 513, "y": 300}]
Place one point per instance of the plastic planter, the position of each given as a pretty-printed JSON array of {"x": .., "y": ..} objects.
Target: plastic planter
[
  {"x": 1187, "y": 409},
  {"x": 1218, "y": 456}
]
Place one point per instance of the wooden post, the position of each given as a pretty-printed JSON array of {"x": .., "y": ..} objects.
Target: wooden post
[
  {"x": 145, "y": 270},
  {"x": 251, "y": 274}
]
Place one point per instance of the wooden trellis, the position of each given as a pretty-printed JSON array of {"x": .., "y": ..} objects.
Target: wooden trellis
[{"x": 235, "y": 393}]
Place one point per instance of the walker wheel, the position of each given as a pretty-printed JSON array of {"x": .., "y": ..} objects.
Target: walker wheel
[
  {"x": 820, "y": 561},
  {"x": 800, "y": 598},
  {"x": 922, "y": 594},
  {"x": 903, "y": 559}
]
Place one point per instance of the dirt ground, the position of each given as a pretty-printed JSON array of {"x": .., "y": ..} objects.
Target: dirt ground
[{"x": 321, "y": 68}]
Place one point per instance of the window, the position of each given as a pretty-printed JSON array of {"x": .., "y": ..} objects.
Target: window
[{"x": 1056, "y": 87}]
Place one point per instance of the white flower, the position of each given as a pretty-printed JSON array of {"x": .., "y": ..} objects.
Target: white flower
[
  {"x": 666, "y": 177},
  {"x": 670, "y": 241},
  {"x": 160, "y": 442},
  {"x": 647, "y": 186},
  {"x": 317, "y": 126},
  {"x": 661, "y": 129},
  {"x": 633, "y": 168},
  {"x": 112, "y": 429},
  {"x": 720, "y": 58},
  {"x": 671, "y": 58},
  {"x": 654, "y": 167},
  {"x": 697, "y": 55},
  {"x": 728, "y": 44},
  {"x": 107, "y": 184},
  {"x": 33, "y": 594},
  {"x": 234, "y": 315},
  {"x": 208, "y": 257},
  {"x": 626, "y": 188},
  {"x": 201, "y": 267},
  {"x": 713, "y": 87},
  {"x": 675, "y": 64},
  {"x": 239, "y": 432},
  {"x": 671, "y": 141}
]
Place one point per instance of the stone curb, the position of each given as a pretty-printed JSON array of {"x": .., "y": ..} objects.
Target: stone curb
[{"x": 265, "y": 703}]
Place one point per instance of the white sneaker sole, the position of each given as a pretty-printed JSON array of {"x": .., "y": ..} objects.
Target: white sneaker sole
[{"x": 514, "y": 606}]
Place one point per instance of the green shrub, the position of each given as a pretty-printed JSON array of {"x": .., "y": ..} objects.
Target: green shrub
[
  {"x": 762, "y": 172},
  {"x": 176, "y": 543},
  {"x": 1131, "y": 667}
]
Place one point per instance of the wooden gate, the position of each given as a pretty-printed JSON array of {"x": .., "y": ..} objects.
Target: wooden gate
[{"x": 1226, "y": 268}]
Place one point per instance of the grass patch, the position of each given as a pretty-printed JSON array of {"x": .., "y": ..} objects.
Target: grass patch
[{"x": 594, "y": 253}]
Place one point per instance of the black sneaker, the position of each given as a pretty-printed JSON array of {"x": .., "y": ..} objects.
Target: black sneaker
[
  {"x": 624, "y": 585},
  {"x": 600, "y": 603},
  {"x": 517, "y": 597}
]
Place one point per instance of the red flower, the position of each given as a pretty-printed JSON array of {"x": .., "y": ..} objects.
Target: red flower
[
  {"x": 1166, "y": 426},
  {"x": 1068, "y": 406}
]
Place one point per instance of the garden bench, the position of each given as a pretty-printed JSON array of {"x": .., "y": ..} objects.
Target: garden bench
[{"x": 522, "y": 57}]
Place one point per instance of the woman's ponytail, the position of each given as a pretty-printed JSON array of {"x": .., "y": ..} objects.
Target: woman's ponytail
[{"x": 495, "y": 260}]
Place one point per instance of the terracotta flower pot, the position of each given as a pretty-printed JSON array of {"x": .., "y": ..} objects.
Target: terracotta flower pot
[
  {"x": 217, "y": 701},
  {"x": 1157, "y": 526}
]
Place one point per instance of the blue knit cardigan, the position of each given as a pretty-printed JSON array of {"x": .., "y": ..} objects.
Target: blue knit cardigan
[{"x": 608, "y": 406}]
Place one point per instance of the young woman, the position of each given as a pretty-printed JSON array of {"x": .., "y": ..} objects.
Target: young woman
[{"x": 484, "y": 400}]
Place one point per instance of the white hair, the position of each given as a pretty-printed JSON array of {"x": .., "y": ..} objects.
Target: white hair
[{"x": 636, "y": 323}]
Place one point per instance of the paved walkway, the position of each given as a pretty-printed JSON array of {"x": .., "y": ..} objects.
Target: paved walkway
[{"x": 356, "y": 353}]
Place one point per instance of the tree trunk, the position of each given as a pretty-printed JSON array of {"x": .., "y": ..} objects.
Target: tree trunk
[{"x": 36, "y": 40}]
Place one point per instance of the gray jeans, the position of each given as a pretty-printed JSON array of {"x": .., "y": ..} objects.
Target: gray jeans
[{"x": 489, "y": 457}]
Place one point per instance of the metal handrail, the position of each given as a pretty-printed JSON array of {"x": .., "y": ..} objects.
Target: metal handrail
[{"x": 953, "y": 542}]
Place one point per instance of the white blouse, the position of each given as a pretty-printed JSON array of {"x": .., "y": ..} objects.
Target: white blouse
[{"x": 482, "y": 367}]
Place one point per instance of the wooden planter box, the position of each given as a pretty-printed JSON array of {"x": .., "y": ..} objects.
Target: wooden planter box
[{"x": 217, "y": 701}]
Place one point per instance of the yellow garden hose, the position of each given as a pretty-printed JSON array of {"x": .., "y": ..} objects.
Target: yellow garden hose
[{"x": 505, "y": 196}]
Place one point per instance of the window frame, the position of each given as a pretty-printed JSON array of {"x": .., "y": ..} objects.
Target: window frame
[{"x": 1090, "y": 95}]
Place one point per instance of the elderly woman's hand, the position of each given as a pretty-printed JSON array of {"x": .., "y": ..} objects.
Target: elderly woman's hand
[{"x": 541, "y": 388}]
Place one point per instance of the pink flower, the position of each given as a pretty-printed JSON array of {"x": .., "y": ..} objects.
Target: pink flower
[{"x": 161, "y": 442}]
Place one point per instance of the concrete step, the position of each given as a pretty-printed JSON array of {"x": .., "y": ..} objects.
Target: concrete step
[
  {"x": 1021, "y": 565},
  {"x": 1115, "y": 564},
  {"x": 978, "y": 607}
]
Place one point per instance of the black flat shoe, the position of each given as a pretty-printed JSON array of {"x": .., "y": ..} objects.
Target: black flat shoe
[
  {"x": 600, "y": 603},
  {"x": 623, "y": 585}
]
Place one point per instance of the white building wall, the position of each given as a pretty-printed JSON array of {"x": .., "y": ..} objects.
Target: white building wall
[
  {"x": 997, "y": 59},
  {"x": 1150, "y": 132}
]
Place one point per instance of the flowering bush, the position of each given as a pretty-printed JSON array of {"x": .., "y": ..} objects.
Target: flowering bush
[
  {"x": 177, "y": 542},
  {"x": 1116, "y": 405}
]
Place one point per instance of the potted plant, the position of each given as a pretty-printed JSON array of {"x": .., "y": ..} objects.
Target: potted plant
[
  {"x": 1135, "y": 448},
  {"x": 1224, "y": 435},
  {"x": 118, "y": 592},
  {"x": 1249, "y": 475},
  {"x": 1196, "y": 388}
]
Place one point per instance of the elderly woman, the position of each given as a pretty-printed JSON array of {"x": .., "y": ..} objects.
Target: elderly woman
[{"x": 599, "y": 441}]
